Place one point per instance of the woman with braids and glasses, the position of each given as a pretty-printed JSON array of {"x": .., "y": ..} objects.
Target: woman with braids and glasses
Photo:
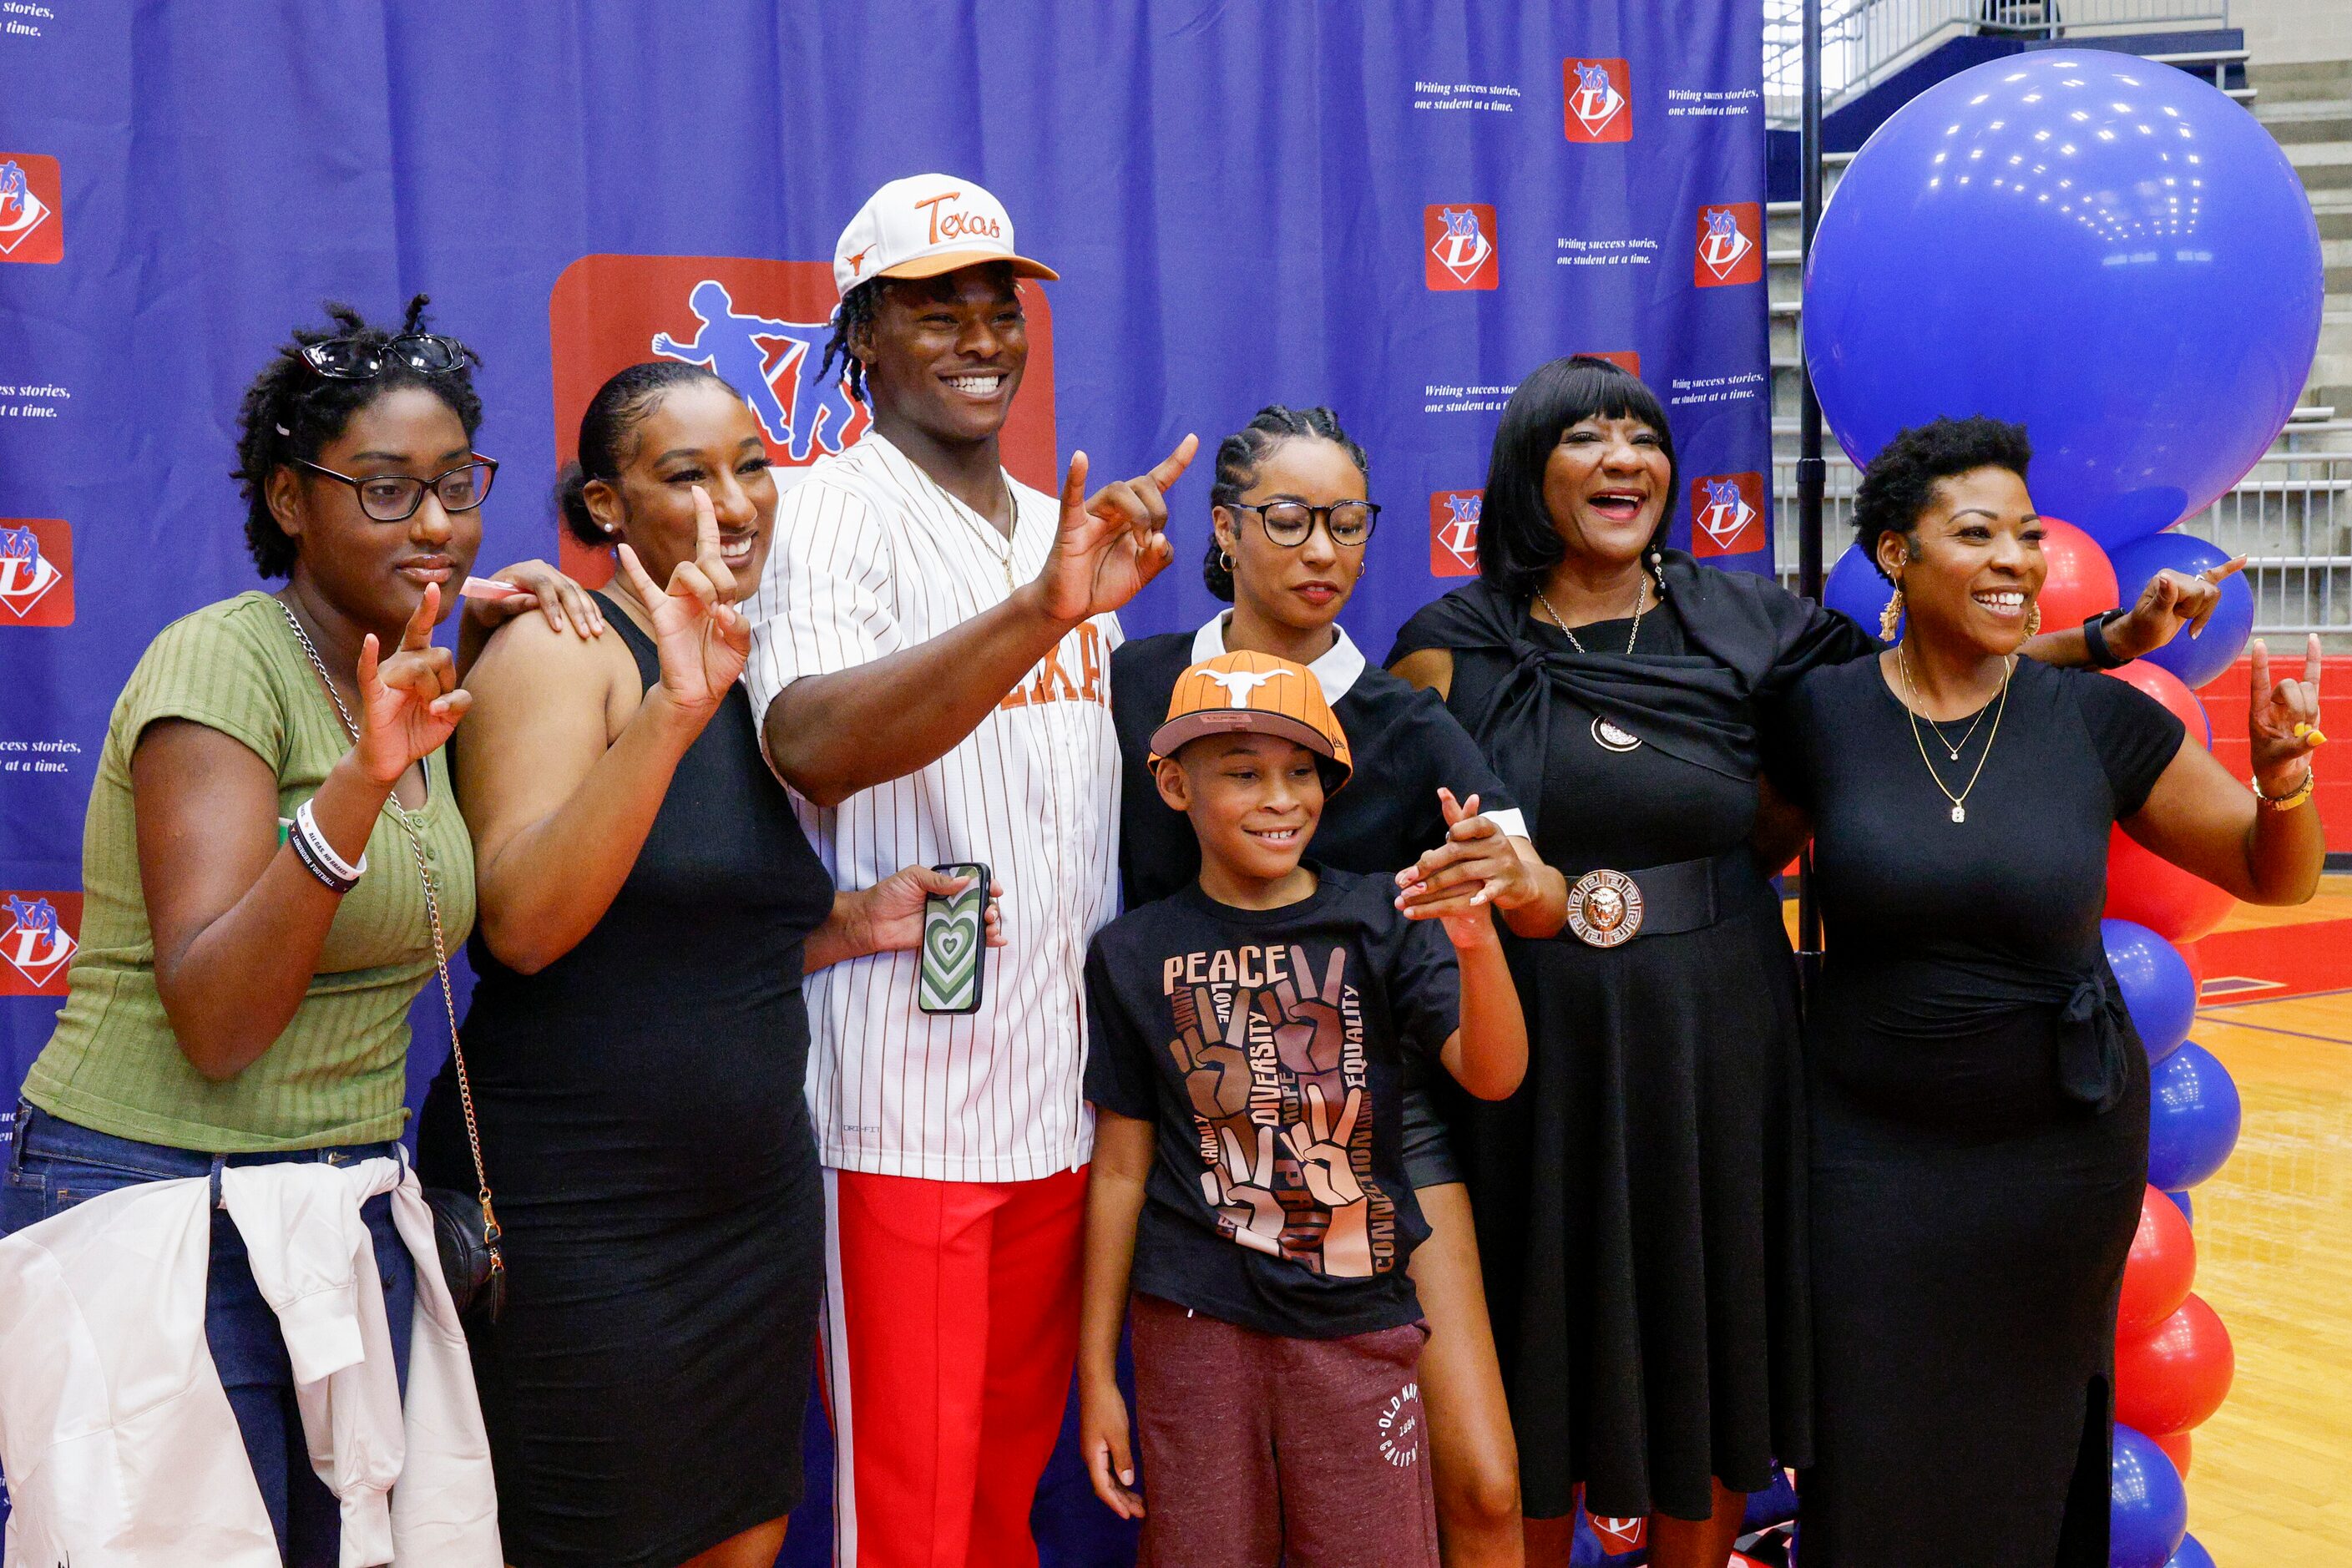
[
  {"x": 255, "y": 925},
  {"x": 637, "y": 1044},
  {"x": 1980, "y": 1099},
  {"x": 1640, "y": 1201},
  {"x": 1292, "y": 518}
]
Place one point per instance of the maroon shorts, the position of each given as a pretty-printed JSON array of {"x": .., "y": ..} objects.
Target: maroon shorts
[{"x": 1258, "y": 1450}]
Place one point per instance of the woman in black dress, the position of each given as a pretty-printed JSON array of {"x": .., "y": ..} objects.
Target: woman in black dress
[
  {"x": 1639, "y": 1201},
  {"x": 637, "y": 1040},
  {"x": 1288, "y": 569},
  {"x": 1979, "y": 1100}
]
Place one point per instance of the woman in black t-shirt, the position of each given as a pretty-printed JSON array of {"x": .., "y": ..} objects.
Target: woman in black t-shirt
[
  {"x": 1979, "y": 1098},
  {"x": 1291, "y": 522}
]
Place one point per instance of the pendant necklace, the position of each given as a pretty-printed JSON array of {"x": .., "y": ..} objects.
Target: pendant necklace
[
  {"x": 1641, "y": 603},
  {"x": 1911, "y": 711}
]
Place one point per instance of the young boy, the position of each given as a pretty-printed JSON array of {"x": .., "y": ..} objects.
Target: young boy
[{"x": 1248, "y": 1044}]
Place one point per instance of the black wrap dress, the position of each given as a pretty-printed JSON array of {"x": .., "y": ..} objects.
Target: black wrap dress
[
  {"x": 646, "y": 1129},
  {"x": 1640, "y": 1201},
  {"x": 1980, "y": 1119}
]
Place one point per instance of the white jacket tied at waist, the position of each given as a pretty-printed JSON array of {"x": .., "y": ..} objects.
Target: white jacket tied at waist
[{"x": 119, "y": 1445}]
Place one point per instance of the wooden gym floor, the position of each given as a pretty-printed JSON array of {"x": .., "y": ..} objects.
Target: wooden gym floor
[{"x": 2270, "y": 1476}]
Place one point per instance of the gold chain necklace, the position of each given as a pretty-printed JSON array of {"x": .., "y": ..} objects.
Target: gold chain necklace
[
  {"x": 1640, "y": 604},
  {"x": 1911, "y": 711}
]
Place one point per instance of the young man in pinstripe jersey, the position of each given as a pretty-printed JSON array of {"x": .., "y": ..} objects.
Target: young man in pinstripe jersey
[{"x": 930, "y": 654}]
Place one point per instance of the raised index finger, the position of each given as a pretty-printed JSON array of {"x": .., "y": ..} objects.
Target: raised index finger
[
  {"x": 706, "y": 526},
  {"x": 1171, "y": 467},
  {"x": 2217, "y": 576},
  {"x": 1074, "y": 488},
  {"x": 2311, "y": 666},
  {"x": 2258, "y": 665},
  {"x": 418, "y": 633}
]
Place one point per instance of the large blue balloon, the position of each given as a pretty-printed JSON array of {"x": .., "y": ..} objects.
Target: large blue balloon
[
  {"x": 2192, "y": 1117},
  {"x": 1854, "y": 586},
  {"x": 2108, "y": 250},
  {"x": 2148, "y": 1508},
  {"x": 2158, "y": 990},
  {"x": 2192, "y": 1554},
  {"x": 2196, "y": 659}
]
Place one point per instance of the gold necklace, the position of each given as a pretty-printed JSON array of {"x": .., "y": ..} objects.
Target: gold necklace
[
  {"x": 1641, "y": 603},
  {"x": 1911, "y": 711}
]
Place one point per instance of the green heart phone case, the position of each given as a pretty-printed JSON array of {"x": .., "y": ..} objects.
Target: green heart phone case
[{"x": 955, "y": 940}]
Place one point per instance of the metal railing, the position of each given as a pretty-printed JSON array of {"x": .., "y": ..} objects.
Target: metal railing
[
  {"x": 1864, "y": 41},
  {"x": 2291, "y": 517}
]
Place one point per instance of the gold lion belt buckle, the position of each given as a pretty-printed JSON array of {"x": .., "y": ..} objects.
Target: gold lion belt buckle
[{"x": 1604, "y": 908}]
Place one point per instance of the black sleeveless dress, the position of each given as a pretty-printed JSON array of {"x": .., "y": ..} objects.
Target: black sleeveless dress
[
  {"x": 643, "y": 1119},
  {"x": 1978, "y": 1119}
]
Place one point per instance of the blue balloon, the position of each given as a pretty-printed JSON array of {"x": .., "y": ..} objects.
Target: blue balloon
[
  {"x": 2192, "y": 1117},
  {"x": 2148, "y": 1508},
  {"x": 2158, "y": 990},
  {"x": 2181, "y": 1202},
  {"x": 2109, "y": 251},
  {"x": 2192, "y": 1554},
  {"x": 2199, "y": 659},
  {"x": 1854, "y": 586}
]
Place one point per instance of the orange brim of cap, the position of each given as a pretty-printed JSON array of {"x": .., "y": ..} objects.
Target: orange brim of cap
[
  {"x": 948, "y": 261},
  {"x": 1185, "y": 728}
]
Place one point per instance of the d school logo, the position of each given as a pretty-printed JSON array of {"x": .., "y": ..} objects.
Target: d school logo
[
  {"x": 1727, "y": 514},
  {"x": 761, "y": 326},
  {"x": 35, "y": 572},
  {"x": 1458, "y": 245},
  {"x": 1730, "y": 245},
  {"x": 1600, "y": 100},
  {"x": 38, "y": 935},
  {"x": 1453, "y": 533},
  {"x": 30, "y": 229}
]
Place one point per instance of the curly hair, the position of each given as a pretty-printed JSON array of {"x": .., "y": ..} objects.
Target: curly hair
[
  {"x": 1518, "y": 544},
  {"x": 1900, "y": 482},
  {"x": 1239, "y": 454},
  {"x": 291, "y": 412},
  {"x": 608, "y": 431},
  {"x": 860, "y": 307}
]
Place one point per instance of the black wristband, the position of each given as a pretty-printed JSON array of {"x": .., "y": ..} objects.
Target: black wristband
[
  {"x": 2095, "y": 641},
  {"x": 312, "y": 864}
]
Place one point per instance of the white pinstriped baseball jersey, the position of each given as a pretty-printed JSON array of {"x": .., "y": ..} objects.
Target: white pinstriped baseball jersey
[{"x": 871, "y": 557}]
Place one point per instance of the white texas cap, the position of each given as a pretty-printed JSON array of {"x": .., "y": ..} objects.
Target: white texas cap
[{"x": 923, "y": 225}]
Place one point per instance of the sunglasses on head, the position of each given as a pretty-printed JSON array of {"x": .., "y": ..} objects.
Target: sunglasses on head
[{"x": 359, "y": 359}]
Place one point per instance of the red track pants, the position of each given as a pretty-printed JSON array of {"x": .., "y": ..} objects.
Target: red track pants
[{"x": 951, "y": 1326}]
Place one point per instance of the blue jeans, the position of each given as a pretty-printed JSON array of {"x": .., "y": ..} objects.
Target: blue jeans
[{"x": 53, "y": 1164}]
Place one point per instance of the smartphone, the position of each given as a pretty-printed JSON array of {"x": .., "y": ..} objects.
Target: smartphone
[{"x": 955, "y": 944}]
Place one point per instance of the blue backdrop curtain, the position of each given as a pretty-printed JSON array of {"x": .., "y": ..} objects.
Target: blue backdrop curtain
[{"x": 1397, "y": 210}]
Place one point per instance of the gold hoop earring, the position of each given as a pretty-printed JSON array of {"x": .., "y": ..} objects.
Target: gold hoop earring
[
  {"x": 1226, "y": 562},
  {"x": 2032, "y": 619},
  {"x": 1890, "y": 619}
]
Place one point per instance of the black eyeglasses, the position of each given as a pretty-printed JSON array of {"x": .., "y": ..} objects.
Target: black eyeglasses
[
  {"x": 1288, "y": 522},
  {"x": 394, "y": 498},
  {"x": 352, "y": 359}
]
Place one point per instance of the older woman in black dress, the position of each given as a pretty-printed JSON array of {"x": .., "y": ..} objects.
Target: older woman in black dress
[
  {"x": 1639, "y": 1201},
  {"x": 1978, "y": 1098}
]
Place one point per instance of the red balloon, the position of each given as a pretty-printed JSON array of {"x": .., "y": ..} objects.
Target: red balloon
[
  {"x": 2165, "y": 687},
  {"x": 2080, "y": 583},
  {"x": 2143, "y": 886},
  {"x": 2172, "y": 1378},
  {"x": 2176, "y": 1448},
  {"x": 2156, "y": 1275}
]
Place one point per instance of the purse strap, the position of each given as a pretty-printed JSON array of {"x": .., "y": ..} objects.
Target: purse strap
[{"x": 408, "y": 824}]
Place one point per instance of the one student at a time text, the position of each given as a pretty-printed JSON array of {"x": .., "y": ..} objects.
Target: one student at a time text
[{"x": 1249, "y": 1037}]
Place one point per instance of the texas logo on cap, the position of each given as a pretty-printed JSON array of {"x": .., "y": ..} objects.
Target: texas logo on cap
[
  {"x": 1600, "y": 100},
  {"x": 1252, "y": 693},
  {"x": 923, "y": 225},
  {"x": 30, "y": 229},
  {"x": 1730, "y": 245},
  {"x": 1727, "y": 514}
]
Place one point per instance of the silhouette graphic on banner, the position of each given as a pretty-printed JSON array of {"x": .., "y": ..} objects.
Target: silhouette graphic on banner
[
  {"x": 802, "y": 412},
  {"x": 1598, "y": 107}
]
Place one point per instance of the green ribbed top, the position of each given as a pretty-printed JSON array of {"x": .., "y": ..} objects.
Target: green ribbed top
[{"x": 339, "y": 1072}]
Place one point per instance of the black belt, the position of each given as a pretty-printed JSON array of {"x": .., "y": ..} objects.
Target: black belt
[{"x": 1609, "y": 908}]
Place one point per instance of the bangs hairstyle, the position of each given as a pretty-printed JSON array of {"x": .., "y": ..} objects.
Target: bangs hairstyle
[
  {"x": 1900, "y": 482},
  {"x": 1518, "y": 544}
]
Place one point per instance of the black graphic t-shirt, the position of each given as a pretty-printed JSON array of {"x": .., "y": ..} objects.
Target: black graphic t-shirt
[{"x": 1268, "y": 1047}]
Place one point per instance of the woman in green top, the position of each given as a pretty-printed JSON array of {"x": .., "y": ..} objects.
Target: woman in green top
[{"x": 239, "y": 995}]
